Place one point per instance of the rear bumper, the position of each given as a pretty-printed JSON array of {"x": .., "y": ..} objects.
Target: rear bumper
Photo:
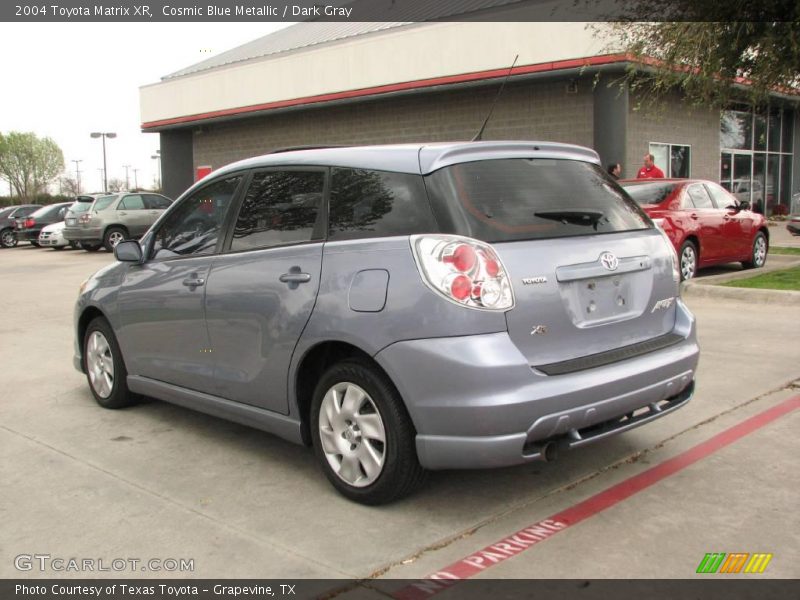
[
  {"x": 793, "y": 227},
  {"x": 78, "y": 234},
  {"x": 492, "y": 409}
]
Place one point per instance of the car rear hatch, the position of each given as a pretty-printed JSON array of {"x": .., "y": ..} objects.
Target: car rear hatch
[{"x": 593, "y": 279}]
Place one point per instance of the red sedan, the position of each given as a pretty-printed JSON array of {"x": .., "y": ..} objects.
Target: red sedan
[{"x": 706, "y": 224}]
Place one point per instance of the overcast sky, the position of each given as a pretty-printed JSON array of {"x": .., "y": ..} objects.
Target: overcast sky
[{"x": 66, "y": 80}]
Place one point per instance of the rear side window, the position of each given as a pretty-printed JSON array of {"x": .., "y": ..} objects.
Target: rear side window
[
  {"x": 700, "y": 197},
  {"x": 280, "y": 207},
  {"x": 523, "y": 199},
  {"x": 103, "y": 202},
  {"x": 368, "y": 204}
]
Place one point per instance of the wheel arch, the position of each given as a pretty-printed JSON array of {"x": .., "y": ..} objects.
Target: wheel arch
[{"x": 87, "y": 316}]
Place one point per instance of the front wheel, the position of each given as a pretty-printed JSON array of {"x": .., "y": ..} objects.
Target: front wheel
[
  {"x": 35, "y": 244},
  {"x": 363, "y": 437},
  {"x": 688, "y": 260},
  {"x": 758, "y": 254},
  {"x": 7, "y": 238},
  {"x": 104, "y": 366}
]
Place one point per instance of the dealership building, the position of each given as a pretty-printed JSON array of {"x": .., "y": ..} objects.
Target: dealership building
[{"x": 319, "y": 83}]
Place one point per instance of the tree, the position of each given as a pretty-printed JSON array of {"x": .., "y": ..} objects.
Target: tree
[
  {"x": 30, "y": 163},
  {"x": 69, "y": 186},
  {"x": 115, "y": 185},
  {"x": 713, "y": 52}
]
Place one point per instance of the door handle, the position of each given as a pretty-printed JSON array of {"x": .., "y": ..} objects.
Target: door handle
[
  {"x": 293, "y": 277},
  {"x": 693, "y": 216},
  {"x": 123, "y": 213},
  {"x": 726, "y": 218},
  {"x": 193, "y": 281}
]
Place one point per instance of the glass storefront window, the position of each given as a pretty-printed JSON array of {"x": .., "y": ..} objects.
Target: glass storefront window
[
  {"x": 773, "y": 181},
  {"x": 674, "y": 159},
  {"x": 788, "y": 125},
  {"x": 774, "y": 128},
  {"x": 760, "y": 138},
  {"x": 786, "y": 179},
  {"x": 736, "y": 130}
]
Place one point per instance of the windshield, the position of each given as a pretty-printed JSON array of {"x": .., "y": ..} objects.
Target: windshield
[
  {"x": 649, "y": 193},
  {"x": 103, "y": 202},
  {"x": 522, "y": 199}
]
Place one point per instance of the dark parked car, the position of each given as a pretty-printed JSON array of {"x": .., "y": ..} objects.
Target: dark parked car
[
  {"x": 400, "y": 308},
  {"x": 706, "y": 224},
  {"x": 8, "y": 239},
  {"x": 27, "y": 229}
]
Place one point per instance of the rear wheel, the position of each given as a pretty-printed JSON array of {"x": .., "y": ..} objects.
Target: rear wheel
[
  {"x": 363, "y": 437},
  {"x": 688, "y": 260},
  {"x": 758, "y": 253},
  {"x": 104, "y": 366},
  {"x": 114, "y": 235},
  {"x": 7, "y": 238}
]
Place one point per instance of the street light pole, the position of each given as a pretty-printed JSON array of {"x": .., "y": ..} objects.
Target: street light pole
[
  {"x": 157, "y": 157},
  {"x": 127, "y": 181},
  {"x": 78, "y": 173},
  {"x": 135, "y": 179},
  {"x": 97, "y": 134}
]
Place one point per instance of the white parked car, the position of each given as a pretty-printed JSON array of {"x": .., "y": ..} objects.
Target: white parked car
[{"x": 53, "y": 236}]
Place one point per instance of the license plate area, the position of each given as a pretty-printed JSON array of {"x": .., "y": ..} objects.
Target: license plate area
[
  {"x": 601, "y": 300},
  {"x": 71, "y": 221}
]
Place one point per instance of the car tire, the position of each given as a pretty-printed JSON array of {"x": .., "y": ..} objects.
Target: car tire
[
  {"x": 74, "y": 245},
  {"x": 105, "y": 369},
  {"x": 363, "y": 436},
  {"x": 7, "y": 238},
  {"x": 687, "y": 260},
  {"x": 758, "y": 252},
  {"x": 58, "y": 247},
  {"x": 91, "y": 247},
  {"x": 113, "y": 236},
  {"x": 35, "y": 244}
]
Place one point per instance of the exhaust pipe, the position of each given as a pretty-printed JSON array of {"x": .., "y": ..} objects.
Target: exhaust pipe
[{"x": 549, "y": 451}]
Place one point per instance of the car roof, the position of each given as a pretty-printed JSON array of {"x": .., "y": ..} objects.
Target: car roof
[{"x": 418, "y": 159}]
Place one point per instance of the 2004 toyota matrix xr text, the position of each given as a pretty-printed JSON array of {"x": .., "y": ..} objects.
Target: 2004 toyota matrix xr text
[{"x": 400, "y": 308}]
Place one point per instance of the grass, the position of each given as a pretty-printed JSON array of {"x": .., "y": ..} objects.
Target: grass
[
  {"x": 787, "y": 279},
  {"x": 784, "y": 250}
]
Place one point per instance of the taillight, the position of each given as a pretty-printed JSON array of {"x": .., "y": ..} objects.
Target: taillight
[
  {"x": 465, "y": 271},
  {"x": 29, "y": 223},
  {"x": 85, "y": 218}
]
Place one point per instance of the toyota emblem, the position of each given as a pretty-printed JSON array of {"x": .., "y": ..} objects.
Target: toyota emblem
[{"x": 609, "y": 261}]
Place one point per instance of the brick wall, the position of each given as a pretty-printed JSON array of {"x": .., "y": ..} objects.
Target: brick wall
[
  {"x": 526, "y": 110},
  {"x": 674, "y": 122}
]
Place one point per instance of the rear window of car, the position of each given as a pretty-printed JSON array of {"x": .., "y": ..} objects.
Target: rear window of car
[
  {"x": 103, "y": 202},
  {"x": 80, "y": 207},
  {"x": 367, "y": 204},
  {"x": 521, "y": 199},
  {"x": 649, "y": 193}
]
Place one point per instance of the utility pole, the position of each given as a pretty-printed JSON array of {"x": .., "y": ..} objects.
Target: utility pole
[
  {"x": 78, "y": 173},
  {"x": 127, "y": 181},
  {"x": 135, "y": 179}
]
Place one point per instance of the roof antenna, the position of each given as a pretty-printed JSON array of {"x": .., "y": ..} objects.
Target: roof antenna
[{"x": 478, "y": 137}]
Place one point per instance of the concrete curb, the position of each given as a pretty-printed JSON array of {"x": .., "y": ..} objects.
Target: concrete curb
[{"x": 708, "y": 287}]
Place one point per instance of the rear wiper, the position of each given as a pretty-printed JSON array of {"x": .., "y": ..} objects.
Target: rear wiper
[{"x": 576, "y": 216}]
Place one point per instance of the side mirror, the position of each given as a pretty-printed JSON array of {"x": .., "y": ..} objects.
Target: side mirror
[
  {"x": 744, "y": 205},
  {"x": 128, "y": 251}
]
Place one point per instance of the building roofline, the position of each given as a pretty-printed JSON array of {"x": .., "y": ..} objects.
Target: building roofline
[{"x": 417, "y": 85}]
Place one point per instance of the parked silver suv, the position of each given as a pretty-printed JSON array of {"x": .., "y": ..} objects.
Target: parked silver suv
[
  {"x": 400, "y": 308},
  {"x": 114, "y": 218}
]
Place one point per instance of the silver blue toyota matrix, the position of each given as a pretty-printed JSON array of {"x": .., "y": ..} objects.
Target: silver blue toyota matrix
[{"x": 400, "y": 308}]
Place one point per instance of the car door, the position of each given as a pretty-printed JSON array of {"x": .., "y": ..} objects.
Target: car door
[
  {"x": 737, "y": 227},
  {"x": 261, "y": 291},
  {"x": 709, "y": 220},
  {"x": 132, "y": 214},
  {"x": 162, "y": 329}
]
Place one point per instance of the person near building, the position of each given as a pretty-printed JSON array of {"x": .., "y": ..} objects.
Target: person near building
[
  {"x": 615, "y": 170},
  {"x": 649, "y": 170}
]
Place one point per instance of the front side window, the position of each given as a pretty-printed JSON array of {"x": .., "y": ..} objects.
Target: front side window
[
  {"x": 368, "y": 204},
  {"x": 280, "y": 207},
  {"x": 155, "y": 202},
  {"x": 523, "y": 199},
  {"x": 193, "y": 227},
  {"x": 721, "y": 198}
]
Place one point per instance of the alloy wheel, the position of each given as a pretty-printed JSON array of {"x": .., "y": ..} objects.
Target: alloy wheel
[
  {"x": 688, "y": 262},
  {"x": 759, "y": 251},
  {"x": 100, "y": 364}
]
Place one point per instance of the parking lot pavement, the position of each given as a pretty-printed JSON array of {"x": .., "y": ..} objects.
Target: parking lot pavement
[
  {"x": 780, "y": 236},
  {"x": 159, "y": 481}
]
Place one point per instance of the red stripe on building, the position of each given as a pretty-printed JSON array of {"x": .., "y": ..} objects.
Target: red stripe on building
[
  {"x": 394, "y": 87},
  {"x": 528, "y": 537}
]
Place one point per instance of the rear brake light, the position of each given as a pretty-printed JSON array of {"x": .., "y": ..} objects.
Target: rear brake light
[
  {"x": 465, "y": 271},
  {"x": 30, "y": 222}
]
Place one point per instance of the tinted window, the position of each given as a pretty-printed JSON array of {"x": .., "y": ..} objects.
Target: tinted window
[
  {"x": 103, "y": 202},
  {"x": 700, "y": 197},
  {"x": 80, "y": 207},
  {"x": 376, "y": 203},
  {"x": 47, "y": 211},
  {"x": 281, "y": 207},
  {"x": 721, "y": 198},
  {"x": 131, "y": 203},
  {"x": 156, "y": 202},
  {"x": 5, "y": 212},
  {"x": 193, "y": 227},
  {"x": 519, "y": 199},
  {"x": 649, "y": 193}
]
